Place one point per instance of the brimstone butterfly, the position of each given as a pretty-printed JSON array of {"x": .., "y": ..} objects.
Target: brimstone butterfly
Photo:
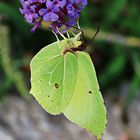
[{"x": 66, "y": 83}]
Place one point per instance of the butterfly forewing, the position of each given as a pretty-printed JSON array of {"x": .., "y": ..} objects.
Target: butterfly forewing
[{"x": 53, "y": 78}]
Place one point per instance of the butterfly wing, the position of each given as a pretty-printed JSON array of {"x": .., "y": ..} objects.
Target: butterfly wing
[
  {"x": 53, "y": 78},
  {"x": 86, "y": 107}
]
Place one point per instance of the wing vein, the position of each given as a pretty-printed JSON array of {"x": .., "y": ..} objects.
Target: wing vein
[
  {"x": 64, "y": 73},
  {"x": 56, "y": 56}
]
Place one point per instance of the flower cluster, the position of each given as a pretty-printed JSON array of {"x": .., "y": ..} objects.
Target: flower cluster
[{"x": 60, "y": 13}]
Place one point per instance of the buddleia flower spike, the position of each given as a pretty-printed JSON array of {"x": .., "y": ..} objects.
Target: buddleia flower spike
[{"x": 59, "y": 13}]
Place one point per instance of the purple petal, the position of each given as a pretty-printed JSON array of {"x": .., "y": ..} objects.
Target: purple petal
[{"x": 50, "y": 17}]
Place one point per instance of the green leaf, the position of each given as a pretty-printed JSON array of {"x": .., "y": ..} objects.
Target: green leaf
[{"x": 67, "y": 83}]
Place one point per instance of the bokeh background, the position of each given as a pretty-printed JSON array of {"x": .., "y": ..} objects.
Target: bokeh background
[{"x": 115, "y": 53}]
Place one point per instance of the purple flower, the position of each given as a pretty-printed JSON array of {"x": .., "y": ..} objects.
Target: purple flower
[{"x": 60, "y": 13}]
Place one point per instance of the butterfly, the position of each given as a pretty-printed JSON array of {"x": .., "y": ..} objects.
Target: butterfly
[{"x": 63, "y": 80}]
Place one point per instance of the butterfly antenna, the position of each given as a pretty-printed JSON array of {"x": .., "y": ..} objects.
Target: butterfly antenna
[{"x": 96, "y": 33}]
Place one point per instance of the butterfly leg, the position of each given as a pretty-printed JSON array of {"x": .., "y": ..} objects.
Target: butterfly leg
[
  {"x": 61, "y": 34},
  {"x": 57, "y": 39}
]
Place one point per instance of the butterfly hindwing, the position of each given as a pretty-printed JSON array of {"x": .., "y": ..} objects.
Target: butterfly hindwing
[{"x": 86, "y": 107}]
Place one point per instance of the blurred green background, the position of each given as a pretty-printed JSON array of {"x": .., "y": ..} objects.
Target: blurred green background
[{"x": 115, "y": 51}]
